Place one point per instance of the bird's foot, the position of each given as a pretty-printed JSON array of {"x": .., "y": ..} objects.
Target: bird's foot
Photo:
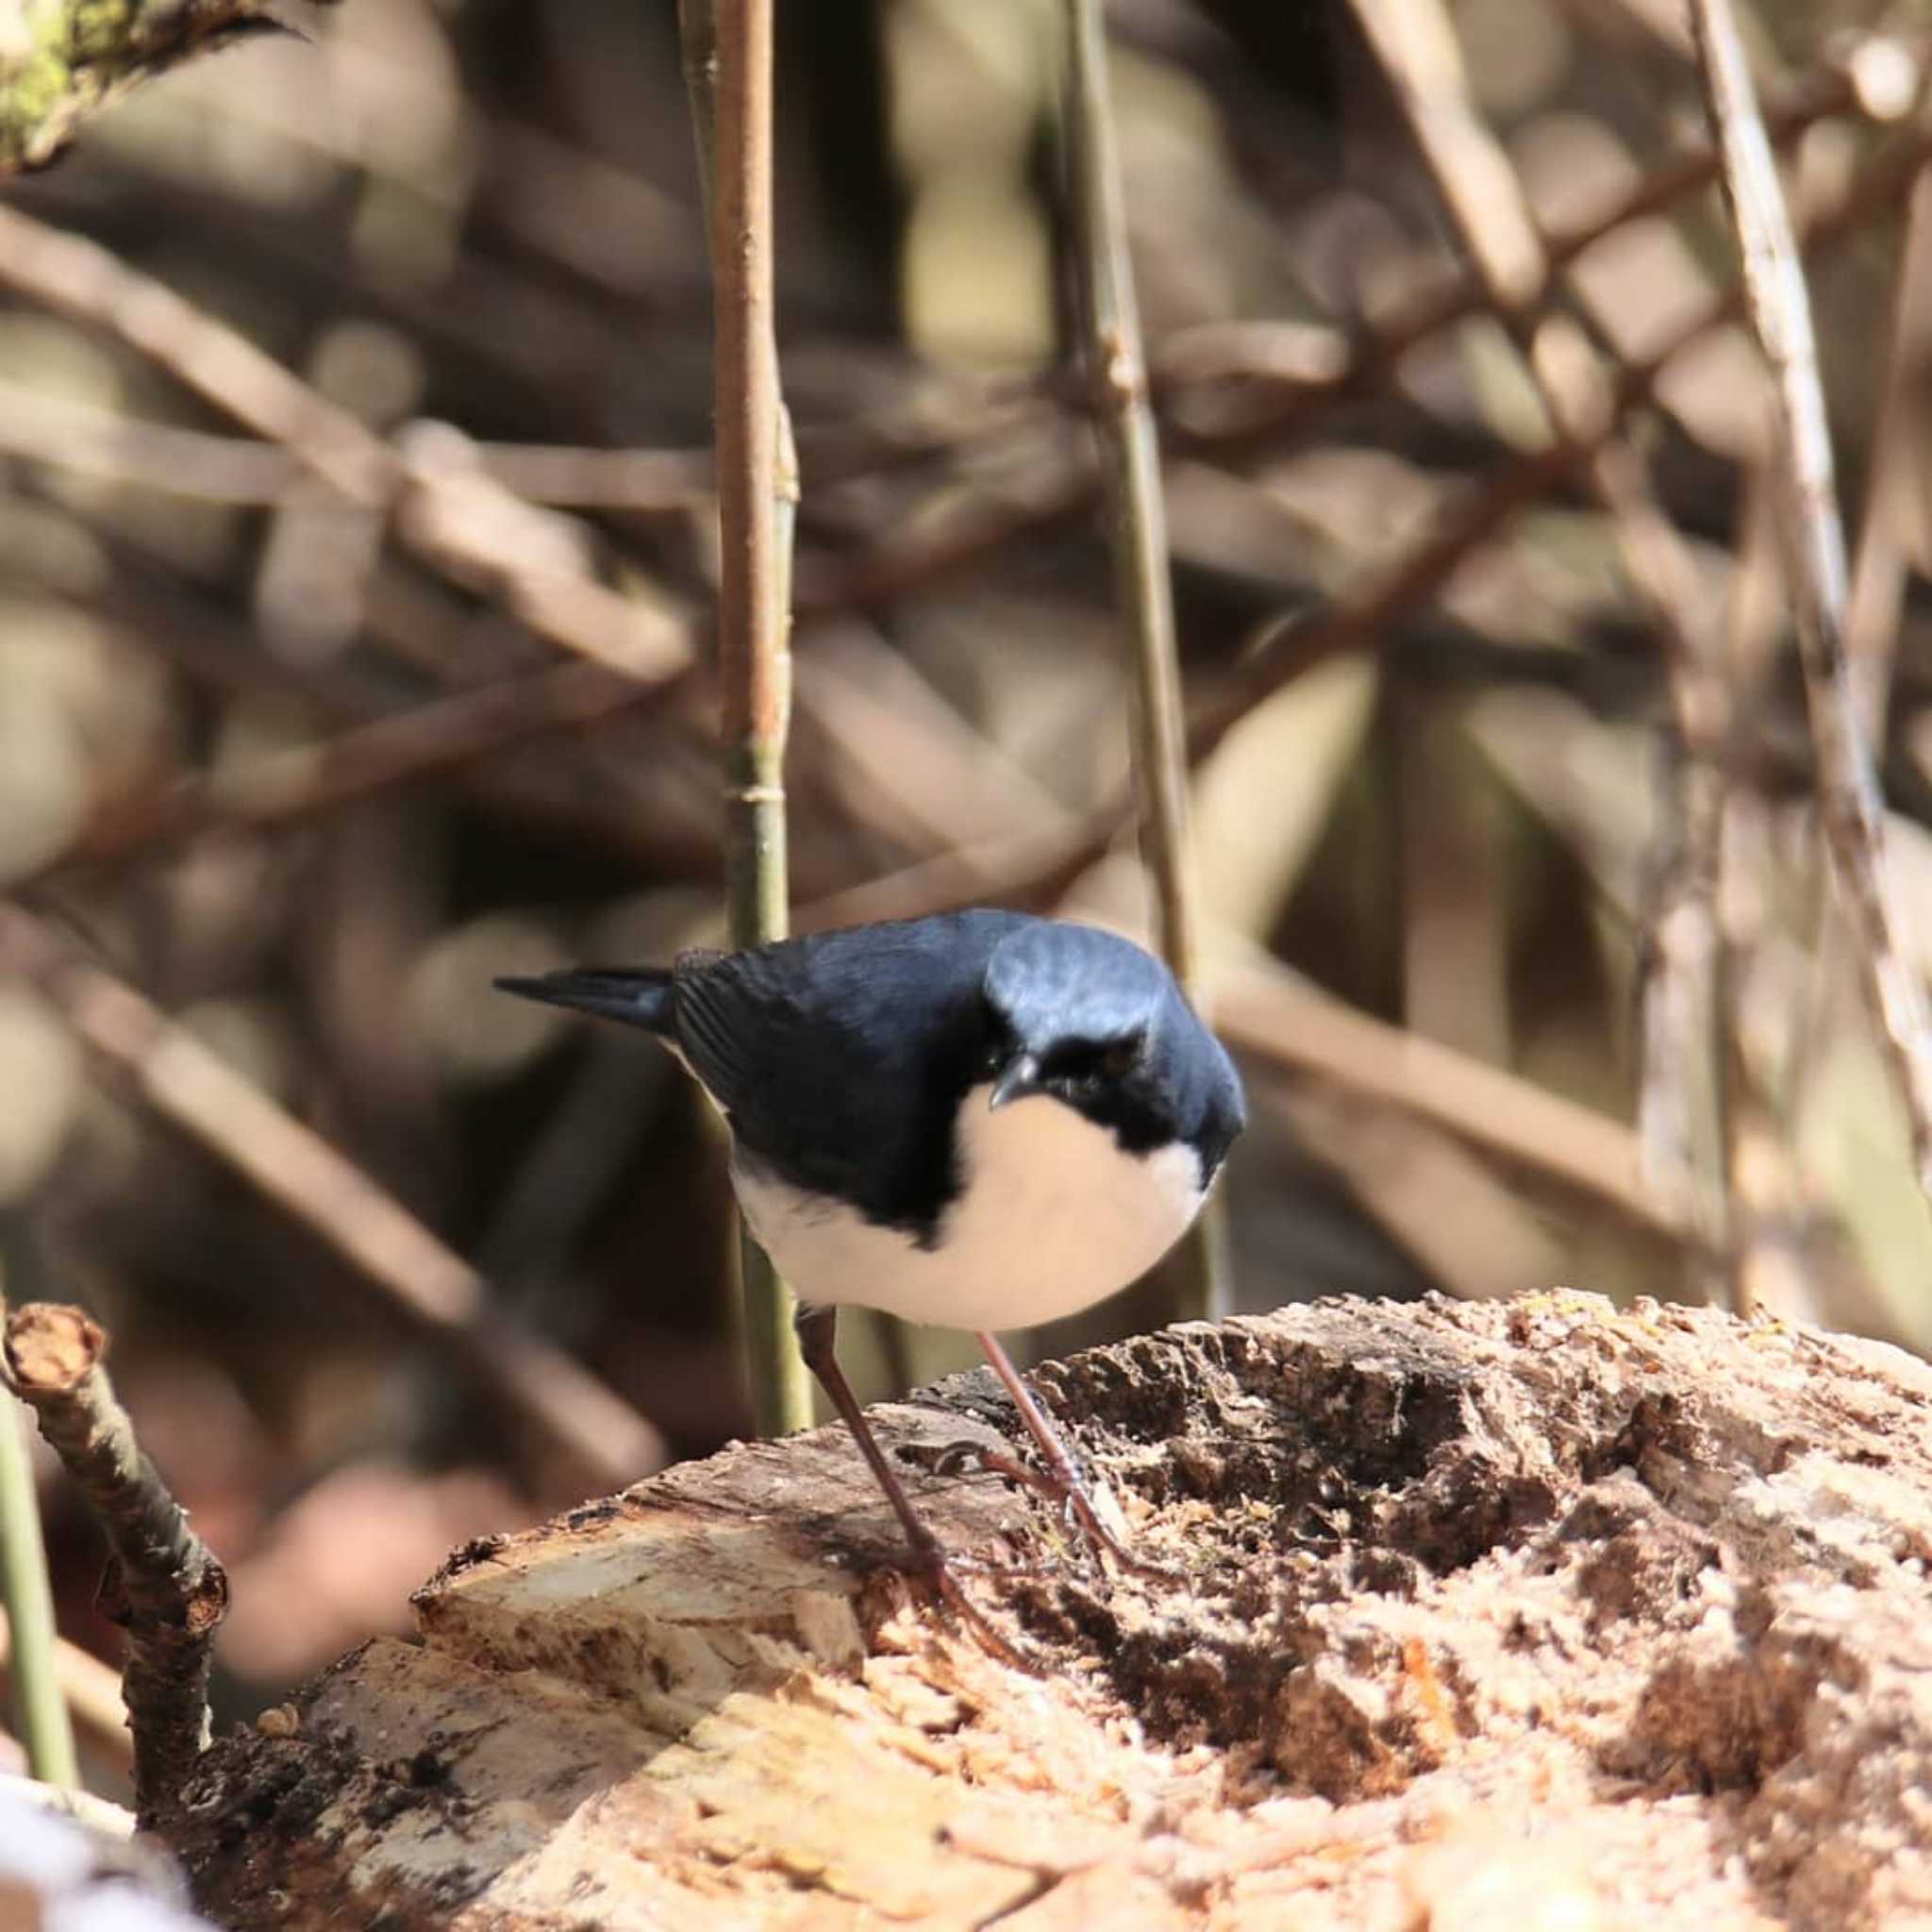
[
  {"x": 939, "y": 1573},
  {"x": 1068, "y": 1491}
]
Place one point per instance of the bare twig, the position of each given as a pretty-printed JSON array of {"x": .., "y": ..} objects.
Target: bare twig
[
  {"x": 1894, "y": 506},
  {"x": 119, "y": 448},
  {"x": 1873, "y": 603},
  {"x": 208, "y": 646},
  {"x": 1268, "y": 1014},
  {"x": 82, "y": 279},
  {"x": 1294, "y": 644},
  {"x": 452, "y": 513},
  {"x": 88, "y": 441},
  {"x": 163, "y": 1585},
  {"x": 1683, "y": 1016},
  {"x": 1070, "y": 484},
  {"x": 1035, "y": 868},
  {"x": 604, "y": 1440},
  {"x": 1416, "y": 43},
  {"x": 729, "y": 51},
  {"x": 425, "y": 742},
  {"x": 1130, "y": 468},
  {"x": 1753, "y": 625},
  {"x": 1850, "y": 807},
  {"x": 31, "y": 1656}
]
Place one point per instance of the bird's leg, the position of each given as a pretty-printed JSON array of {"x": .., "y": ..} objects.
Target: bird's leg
[
  {"x": 1063, "y": 1479},
  {"x": 817, "y": 1329}
]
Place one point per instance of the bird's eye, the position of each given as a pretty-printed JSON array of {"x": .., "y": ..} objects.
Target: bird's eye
[{"x": 1118, "y": 1058}]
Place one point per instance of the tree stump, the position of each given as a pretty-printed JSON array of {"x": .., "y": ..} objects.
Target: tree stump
[{"x": 1539, "y": 1613}]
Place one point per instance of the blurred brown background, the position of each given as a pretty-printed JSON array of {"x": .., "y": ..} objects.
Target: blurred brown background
[{"x": 471, "y": 227}]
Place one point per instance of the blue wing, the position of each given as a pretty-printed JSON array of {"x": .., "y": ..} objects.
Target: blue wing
[{"x": 840, "y": 1058}]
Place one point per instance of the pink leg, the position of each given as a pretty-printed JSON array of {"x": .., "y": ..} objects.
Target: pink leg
[
  {"x": 1063, "y": 1480},
  {"x": 816, "y": 1328}
]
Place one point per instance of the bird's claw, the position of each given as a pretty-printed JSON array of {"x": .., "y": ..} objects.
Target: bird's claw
[
  {"x": 1078, "y": 1508},
  {"x": 937, "y": 1570},
  {"x": 1069, "y": 1492}
]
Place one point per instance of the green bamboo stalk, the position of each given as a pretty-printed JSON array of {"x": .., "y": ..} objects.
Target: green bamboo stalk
[
  {"x": 1130, "y": 466},
  {"x": 729, "y": 66},
  {"x": 37, "y": 1697}
]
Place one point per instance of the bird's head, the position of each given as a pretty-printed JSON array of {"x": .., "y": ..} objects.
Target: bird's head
[{"x": 1088, "y": 1019}]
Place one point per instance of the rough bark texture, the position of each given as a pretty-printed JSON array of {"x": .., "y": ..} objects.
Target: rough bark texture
[
  {"x": 163, "y": 1585},
  {"x": 1537, "y": 1613}
]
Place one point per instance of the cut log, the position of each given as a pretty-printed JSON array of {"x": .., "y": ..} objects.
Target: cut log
[{"x": 1539, "y": 1613}]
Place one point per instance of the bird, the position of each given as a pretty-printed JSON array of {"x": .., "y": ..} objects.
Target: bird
[{"x": 983, "y": 1120}]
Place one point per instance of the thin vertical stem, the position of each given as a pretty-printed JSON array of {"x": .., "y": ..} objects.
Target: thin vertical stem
[
  {"x": 29, "y": 1599},
  {"x": 1415, "y": 41},
  {"x": 1752, "y": 618},
  {"x": 1130, "y": 465},
  {"x": 1893, "y": 487},
  {"x": 730, "y": 42},
  {"x": 1851, "y": 809}
]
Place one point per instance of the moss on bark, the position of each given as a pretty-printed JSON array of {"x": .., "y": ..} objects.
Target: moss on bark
[{"x": 61, "y": 60}]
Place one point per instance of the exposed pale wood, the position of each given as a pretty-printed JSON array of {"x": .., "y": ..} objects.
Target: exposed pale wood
[{"x": 1535, "y": 1613}]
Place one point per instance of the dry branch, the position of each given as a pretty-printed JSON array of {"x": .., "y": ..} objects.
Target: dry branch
[
  {"x": 1850, "y": 806},
  {"x": 1893, "y": 497},
  {"x": 450, "y": 511},
  {"x": 1036, "y": 869},
  {"x": 1416, "y": 43},
  {"x": 81, "y": 279},
  {"x": 601, "y": 1437},
  {"x": 428, "y": 741},
  {"x": 163, "y": 1586},
  {"x": 119, "y": 448},
  {"x": 1130, "y": 471},
  {"x": 1294, "y": 644},
  {"x": 1277, "y": 1020}
]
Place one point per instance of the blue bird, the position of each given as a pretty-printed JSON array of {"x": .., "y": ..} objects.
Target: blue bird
[{"x": 980, "y": 1120}]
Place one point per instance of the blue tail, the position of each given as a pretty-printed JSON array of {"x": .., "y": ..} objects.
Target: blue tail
[{"x": 638, "y": 996}]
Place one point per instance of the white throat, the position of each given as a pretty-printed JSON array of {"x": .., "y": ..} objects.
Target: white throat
[{"x": 1052, "y": 1217}]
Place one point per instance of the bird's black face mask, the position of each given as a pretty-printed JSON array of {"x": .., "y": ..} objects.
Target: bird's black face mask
[{"x": 1111, "y": 1082}]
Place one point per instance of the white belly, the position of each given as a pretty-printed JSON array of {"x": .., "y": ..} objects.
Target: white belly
[{"x": 1053, "y": 1217}]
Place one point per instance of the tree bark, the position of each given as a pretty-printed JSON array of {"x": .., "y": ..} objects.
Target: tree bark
[{"x": 1535, "y": 1613}]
